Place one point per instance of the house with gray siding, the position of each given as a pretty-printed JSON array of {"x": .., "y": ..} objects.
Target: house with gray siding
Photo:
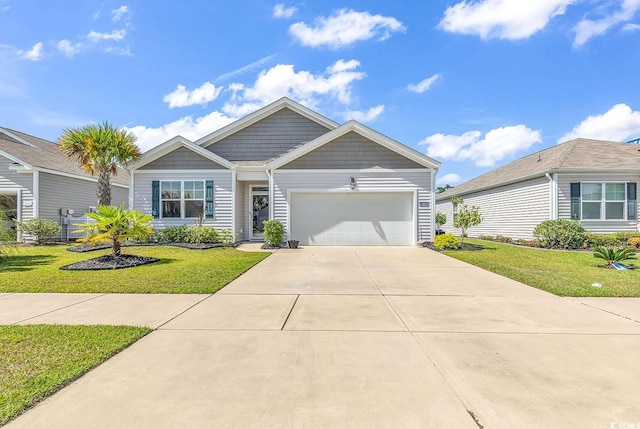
[
  {"x": 593, "y": 181},
  {"x": 37, "y": 180},
  {"x": 328, "y": 183}
]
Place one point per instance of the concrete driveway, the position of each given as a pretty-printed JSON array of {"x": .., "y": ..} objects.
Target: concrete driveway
[{"x": 364, "y": 337}]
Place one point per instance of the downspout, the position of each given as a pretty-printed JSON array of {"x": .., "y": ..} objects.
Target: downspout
[
  {"x": 553, "y": 195},
  {"x": 234, "y": 225},
  {"x": 434, "y": 173},
  {"x": 270, "y": 176}
]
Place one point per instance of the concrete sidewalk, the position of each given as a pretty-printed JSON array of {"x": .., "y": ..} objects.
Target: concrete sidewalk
[{"x": 365, "y": 337}]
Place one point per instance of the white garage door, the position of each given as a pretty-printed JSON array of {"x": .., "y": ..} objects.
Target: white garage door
[{"x": 352, "y": 218}]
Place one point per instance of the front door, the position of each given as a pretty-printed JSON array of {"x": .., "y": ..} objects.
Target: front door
[{"x": 260, "y": 211}]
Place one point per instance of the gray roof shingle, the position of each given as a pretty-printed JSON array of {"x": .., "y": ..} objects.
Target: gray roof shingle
[
  {"x": 578, "y": 154},
  {"x": 46, "y": 155}
]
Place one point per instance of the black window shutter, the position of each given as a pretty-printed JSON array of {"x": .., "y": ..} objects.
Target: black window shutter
[
  {"x": 632, "y": 200},
  {"x": 208, "y": 212},
  {"x": 155, "y": 198},
  {"x": 575, "y": 201}
]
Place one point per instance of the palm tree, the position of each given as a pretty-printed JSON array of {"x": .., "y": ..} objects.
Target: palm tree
[{"x": 100, "y": 148}]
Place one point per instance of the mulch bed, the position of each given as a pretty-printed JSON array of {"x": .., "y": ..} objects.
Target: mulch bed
[{"x": 108, "y": 262}]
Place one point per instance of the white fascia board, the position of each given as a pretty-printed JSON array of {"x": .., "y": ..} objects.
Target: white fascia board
[
  {"x": 352, "y": 170},
  {"x": 611, "y": 171},
  {"x": 14, "y": 159},
  {"x": 173, "y": 144},
  {"x": 262, "y": 113},
  {"x": 364, "y": 131},
  {"x": 15, "y": 137}
]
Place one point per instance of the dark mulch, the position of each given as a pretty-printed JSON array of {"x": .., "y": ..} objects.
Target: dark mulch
[
  {"x": 108, "y": 262},
  {"x": 464, "y": 246}
]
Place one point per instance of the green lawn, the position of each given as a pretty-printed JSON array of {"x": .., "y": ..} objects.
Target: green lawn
[
  {"x": 36, "y": 269},
  {"x": 38, "y": 360},
  {"x": 564, "y": 273}
]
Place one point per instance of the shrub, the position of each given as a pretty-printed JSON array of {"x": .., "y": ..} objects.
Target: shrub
[
  {"x": 273, "y": 232},
  {"x": 172, "y": 234},
  {"x": 446, "y": 241},
  {"x": 560, "y": 234},
  {"x": 635, "y": 242},
  {"x": 201, "y": 234},
  {"x": 41, "y": 229},
  {"x": 617, "y": 239},
  {"x": 226, "y": 236},
  {"x": 486, "y": 237},
  {"x": 503, "y": 239},
  {"x": 613, "y": 255}
]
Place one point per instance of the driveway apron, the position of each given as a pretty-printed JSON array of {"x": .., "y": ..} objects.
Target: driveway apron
[{"x": 363, "y": 337}]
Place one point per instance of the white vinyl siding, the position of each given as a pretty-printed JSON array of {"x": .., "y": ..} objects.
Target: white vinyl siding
[
  {"x": 512, "y": 211},
  {"x": 339, "y": 180},
  {"x": 13, "y": 182},
  {"x": 142, "y": 195},
  {"x": 61, "y": 192},
  {"x": 599, "y": 226}
]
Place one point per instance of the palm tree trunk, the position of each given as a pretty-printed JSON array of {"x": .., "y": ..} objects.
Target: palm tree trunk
[
  {"x": 115, "y": 249},
  {"x": 104, "y": 188}
]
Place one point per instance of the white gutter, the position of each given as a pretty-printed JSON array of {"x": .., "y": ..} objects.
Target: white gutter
[{"x": 553, "y": 195}]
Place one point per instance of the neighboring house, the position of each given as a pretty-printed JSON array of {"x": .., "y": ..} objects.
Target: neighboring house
[
  {"x": 37, "y": 180},
  {"x": 329, "y": 184},
  {"x": 593, "y": 181}
]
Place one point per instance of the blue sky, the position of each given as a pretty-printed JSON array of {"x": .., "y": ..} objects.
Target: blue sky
[{"x": 474, "y": 84}]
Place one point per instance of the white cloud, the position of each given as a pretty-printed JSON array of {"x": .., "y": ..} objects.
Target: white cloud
[
  {"x": 619, "y": 123},
  {"x": 368, "y": 116},
  {"x": 119, "y": 13},
  {"x": 631, "y": 27},
  {"x": 484, "y": 151},
  {"x": 115, "y": 35},
  {"x": 588, "y": 29},
  {"x": 68, "y": 48},
  {"x": 423, "y": 85},
  {"x": 279, "y": 11},
  {"x": 448, "y": 179},
  {"x": 202, "y": 95},
  {"x": 34, "y": 54},
  {"x": 344, "y": 28},
  {"x": 188, "y": 127},
  {"x": 502, "y": 19},
  {"x": 303, "y": 86}
]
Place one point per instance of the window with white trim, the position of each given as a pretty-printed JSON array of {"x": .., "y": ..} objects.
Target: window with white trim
[
  {"x": 182, "y": 199},
  {"x": 604, "y": 201}
]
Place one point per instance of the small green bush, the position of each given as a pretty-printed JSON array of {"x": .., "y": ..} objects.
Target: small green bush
[
  {"x": 201, "y": 234},
  {"x": 41, "y": 229},
  {"x": 273, "y": 232},
  {"x": 635, "y": 242},
  {"x": 446, "y": 241},
  {"x": 503, "y": 239},
  {"x": 612, "y": 255},
  {"x": 441, "y": 219},
  {"x": 560, "y": 234},
  {"x": 172, "y": 234},
  {"x": 486, "y": 237},
  {"x": 226, "y": 236},
  {"x": 615, "y": 239}
]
